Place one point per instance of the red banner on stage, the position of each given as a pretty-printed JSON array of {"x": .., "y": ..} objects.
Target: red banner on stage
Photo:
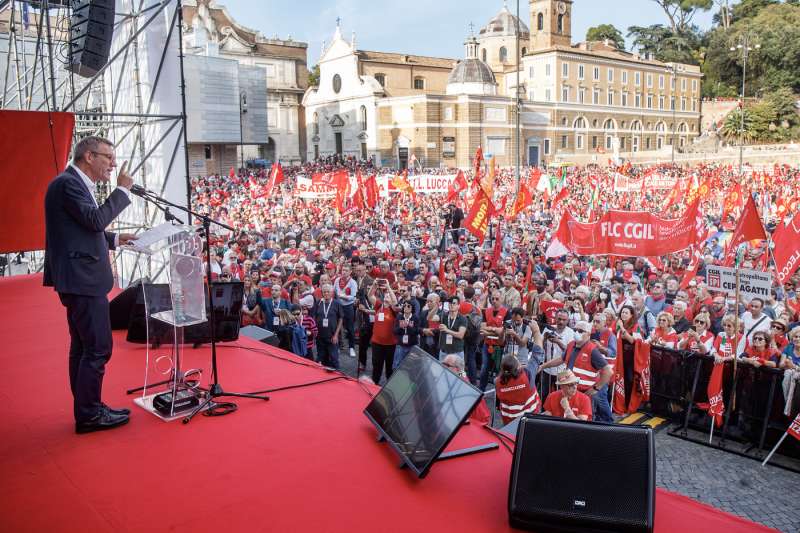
[
  {"x": 787, "y": 249},
  {"x": 34, "y": 147},
  {"x": 627, "y": 233}
]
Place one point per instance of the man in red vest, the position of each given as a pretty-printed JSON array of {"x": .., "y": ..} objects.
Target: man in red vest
[{"x": 593, "y": 372}]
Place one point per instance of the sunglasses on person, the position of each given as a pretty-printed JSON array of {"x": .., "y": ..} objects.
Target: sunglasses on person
[
  {"x": 777, "y": 326},
  {"x": 759, "y": 339}
]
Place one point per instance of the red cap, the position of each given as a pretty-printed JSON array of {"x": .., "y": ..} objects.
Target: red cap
[
  {"x": 627, "y": 275},
  {"x": 330, "y": 266}
]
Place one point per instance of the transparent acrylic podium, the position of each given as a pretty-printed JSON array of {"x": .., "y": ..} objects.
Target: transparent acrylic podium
[{"x": 181, "y": 249}]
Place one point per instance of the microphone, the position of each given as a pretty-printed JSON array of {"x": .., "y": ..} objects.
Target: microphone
[{"x": 138, "y": 190}]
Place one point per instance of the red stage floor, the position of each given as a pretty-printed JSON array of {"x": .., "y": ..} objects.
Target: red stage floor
[{"x": 306, "y": 460}]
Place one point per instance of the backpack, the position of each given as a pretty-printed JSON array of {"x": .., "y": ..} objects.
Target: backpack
[{"x": 474, "y": 320}]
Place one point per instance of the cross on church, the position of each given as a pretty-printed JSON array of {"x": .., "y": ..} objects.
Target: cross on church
[
  {"x": 471, "y": 28},
  {"x": 338, "y": 20}
]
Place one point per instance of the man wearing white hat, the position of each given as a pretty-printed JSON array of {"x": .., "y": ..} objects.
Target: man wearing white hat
[{"x": 567, "y": 401}]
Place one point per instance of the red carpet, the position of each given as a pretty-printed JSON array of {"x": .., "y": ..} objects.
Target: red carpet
[{"x": 306, "y": 460}]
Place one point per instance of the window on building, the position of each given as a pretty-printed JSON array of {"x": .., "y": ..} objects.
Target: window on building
[
  {"x": 503, "y": 54},
  {"x": 483, "y": 55},
  {"x": 364, "y": 151},
  {"x": 579, "y": 142},
  {"x": 594, "y": 142},
  {"x": 649, "y": 101},
  {"x": 207, "y": 150},
  {"x": 683, "y": 104},
  {"x": 624, "y": 99},
  {"x": 560, "y": 24},
  {"x": 672, "y": 83},
  {"x": 565, "y": 94},
  {"x": 547, "y": 147},
  {"x": 524, "y": 50},
  {"x": 694, "y": 104},
  {"x": 563, "y": 121},
  {"x": 637, "y": 78},
  {"x": 547, "y": 70},
  {"x": 622, "y": 143},
  {"x": 315, "y": 127},
  {"x": 581, "y": 70},
  {"x": 694, "y": 86},
  {"x": 647, "y": 143},
  {"x": 581, "y": 95},
  {"x": 624, "y": 77},
  {"x": 661, "y": 102},
  {"x": 649, "y": 80},
  {"x": 563, "y": 141},
  {"x": 363, "y": 116},
  {"x": 610, "y": 98},
  {"x": 564, "y": 70},
  {"x": 548, "y": 96},
  {"x": 596, "y": 73},
  {"x": 530, "y": 72},
  {"x": 381, "y": 78},
  {"x": 448, "y": 113},
  {"x": 540, "y": 22},
  {"x": 661, "y": 81},
  {"x": 683, "y": 84},
  {"x": 672, "y": 104},
  {"x": 610, "y": 75},
  {"x": 532, "y": 95},
  {"x": 419, "y": 83},
  {"x": 638, "y": 100},
  {"x": 596, "y": 97}
]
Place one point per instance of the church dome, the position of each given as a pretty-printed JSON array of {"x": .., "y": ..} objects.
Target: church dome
[
  {"x": 471, "y": 70},
  {"x": 504, "y": 24}
]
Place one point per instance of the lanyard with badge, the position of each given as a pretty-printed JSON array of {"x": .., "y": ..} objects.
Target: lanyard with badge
[
  {"x": 405, "y": 329},
  {"x": 276, "y": 304},
  {"x": 325, "y": 311},
  {"x": 449, "y": 337}
]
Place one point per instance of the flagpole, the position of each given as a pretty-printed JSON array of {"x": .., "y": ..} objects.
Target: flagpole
[
  {"x": 711, "y": 433},
  {"x": 775, "y": 448},
  {"x": 736, "y": 336},
  {"x": 519, "y": 110}
]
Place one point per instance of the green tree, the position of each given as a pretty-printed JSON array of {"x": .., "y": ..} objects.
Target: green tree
[
  {"x": 606, "y": 31},
  {"x": 732, "y": 126},
  {"x": 681, "y": 12},
  {"x": 665, "y": 45},
  {"x": 750, "y": 8},
  {"x": 313, "y": 76}
]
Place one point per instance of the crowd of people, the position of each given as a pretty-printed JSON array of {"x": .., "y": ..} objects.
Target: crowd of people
[{"x": 549, "y": 334}]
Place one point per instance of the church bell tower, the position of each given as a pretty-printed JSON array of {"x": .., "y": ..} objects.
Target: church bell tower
[{"x": 551, "y": 23}]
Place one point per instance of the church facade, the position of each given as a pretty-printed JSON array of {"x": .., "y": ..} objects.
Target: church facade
[{"x": 576, "y": 99}]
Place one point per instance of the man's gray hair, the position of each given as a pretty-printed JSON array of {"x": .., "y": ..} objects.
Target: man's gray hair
[
  {"x": 455, "y": 361},
  {"x": 88, "y": 144}
]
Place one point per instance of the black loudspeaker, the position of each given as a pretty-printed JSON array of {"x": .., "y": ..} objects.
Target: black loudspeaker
[
  {"x": 121, "y": 306},
  {"x": 582, "y": 476},
  {"x": 260, "y": 334},
  {"x": 92, "y": 27}
]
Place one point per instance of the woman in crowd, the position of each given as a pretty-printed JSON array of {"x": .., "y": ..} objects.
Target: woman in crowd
[
  {"x": 699, "y": 338},
  {"x": 431, "y": 317},
  {"x": 761, "y": 352},
  {"x": 251, "y": 304},
  {"x": 725, "y": 343},
  {"x": 663, "y": 334},
  {"x": 627, "y": 332}
]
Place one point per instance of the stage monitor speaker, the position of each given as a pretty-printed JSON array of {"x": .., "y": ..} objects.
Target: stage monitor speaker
[
  {"x": 582, "y": 476},
  {"x": 260, "y": 334},
  {"x": 121, "y": 306},
  {"x": 92, "y": 27}
]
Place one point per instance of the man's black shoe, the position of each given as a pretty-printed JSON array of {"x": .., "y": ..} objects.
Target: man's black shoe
[
  {"x": 123, "y": 411},
  {"x": 105, "y": 420}
]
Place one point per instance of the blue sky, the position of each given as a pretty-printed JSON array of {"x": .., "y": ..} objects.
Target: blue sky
[{"x": 424, "y": 27}]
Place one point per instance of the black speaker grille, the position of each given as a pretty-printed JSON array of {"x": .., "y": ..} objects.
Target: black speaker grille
[{"x": 582, "y": 475}]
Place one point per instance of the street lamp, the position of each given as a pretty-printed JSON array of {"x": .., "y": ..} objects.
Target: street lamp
[
  {"x": 673, "y": 85},
  {"x": 745, "y": 47},
  {"x": 242, "y": 111}
]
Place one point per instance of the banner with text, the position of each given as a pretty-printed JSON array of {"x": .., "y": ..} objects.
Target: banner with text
[
  {"x": 752, "y": 283},
  {"x": 626, "y": 233},
  {"x": 624, "y": 183},
  {"x": 308, "y": 188},
  {"x": 421, "y": 183}
]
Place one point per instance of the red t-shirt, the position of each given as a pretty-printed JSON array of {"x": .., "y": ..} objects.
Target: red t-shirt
[
  {"x": 581, "y": 404},
  {"x": 382, "y": 329}
]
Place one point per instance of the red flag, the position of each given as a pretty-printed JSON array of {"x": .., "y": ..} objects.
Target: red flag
[
  {"x": 477, "y": 221},
  {"x": 342, "y": 182},
  {"x": 455, "y": 188},
  {"x": 673, "y": 195},
  {"x": 524, "y": 199},
  {"x": 478, "y": 161},
  {"x": 748, "y": 228},
  {"x": 794, "y": 427},
  {"x": 231, "y": 172},
  {"x": 732, "y": 202},
  {"x": 787, "y": 249},
  {"x": 441, "y": 269},
  {"x": 275, "y": 177},
  {"x": 562, "y": 194},
  {"x": 715, "y": 405},
  {"x": 640, "y": 392},
  {"x": 358, "y": 197},
  {"x": 371, "y": 188},
  {"x": 498, "y": 245}
]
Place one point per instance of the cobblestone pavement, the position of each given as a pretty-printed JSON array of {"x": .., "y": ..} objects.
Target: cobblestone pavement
[{"x": 734, "y": 484}]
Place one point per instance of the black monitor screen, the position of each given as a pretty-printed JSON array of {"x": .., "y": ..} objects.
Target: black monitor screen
[
  {"x": 420, "y": 409},
  {"x": 228, "y": 297}
]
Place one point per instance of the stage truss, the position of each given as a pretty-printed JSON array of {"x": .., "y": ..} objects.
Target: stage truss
[{"x": 137, "y": 100}]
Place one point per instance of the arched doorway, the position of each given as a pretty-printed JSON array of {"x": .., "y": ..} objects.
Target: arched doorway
[{"x": 270, "y": 150}]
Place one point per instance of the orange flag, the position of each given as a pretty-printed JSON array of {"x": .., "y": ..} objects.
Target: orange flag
[
  {"x": 477, "y": 221},
  {"x": 524, "y": 199}
]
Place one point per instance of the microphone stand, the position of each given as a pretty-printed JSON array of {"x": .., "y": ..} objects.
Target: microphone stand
[{"x": 215, "y": 390}]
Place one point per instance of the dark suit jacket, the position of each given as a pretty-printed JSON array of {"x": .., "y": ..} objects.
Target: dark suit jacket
[{"x": 76, "y": 243}]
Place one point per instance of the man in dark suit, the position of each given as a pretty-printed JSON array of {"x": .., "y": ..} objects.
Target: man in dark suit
[{"x": 78, "y": 267}]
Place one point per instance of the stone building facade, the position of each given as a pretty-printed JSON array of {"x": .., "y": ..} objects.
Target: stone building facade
[{"x": 587, "y": 99}]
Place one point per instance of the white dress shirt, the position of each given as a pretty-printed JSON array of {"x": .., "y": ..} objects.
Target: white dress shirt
[{"x": 92, "y": 187}]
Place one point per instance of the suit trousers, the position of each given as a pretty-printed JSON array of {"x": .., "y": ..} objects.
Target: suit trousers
[{"x": 89, "y": 351}]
